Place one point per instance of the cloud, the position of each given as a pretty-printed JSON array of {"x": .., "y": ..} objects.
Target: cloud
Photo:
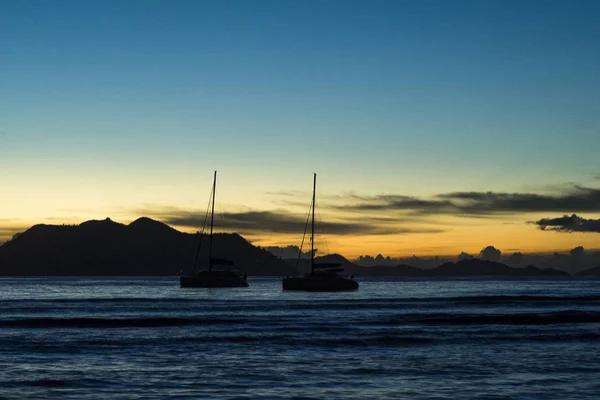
[
  {"x": 256, "y": 221},
  {"x": 253, "y": 222},
  {"x": 390, "y": 214},
  {"x": 577, "y": 251},
  {"x": 464, "y": 256},
  {"x": 289, "y": 193},
  {"x": 573, "y": 223},
  {"x": 289, "y": 251},
  {"x": 515, "y": 258},
  {"x": 490, "y": 253},
  {"x": 571, "y": 198},
  {"x": 386, "y": 202},
  {"x": 576, "y": 197}
]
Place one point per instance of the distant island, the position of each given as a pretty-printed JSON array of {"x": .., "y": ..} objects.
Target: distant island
[
  {"x": 463, "y": 268},
  {"x": 590, "y": 272},
  {"x": 147, "y": 247}
]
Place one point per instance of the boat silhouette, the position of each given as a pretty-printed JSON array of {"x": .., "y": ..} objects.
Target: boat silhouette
[
  {"x": 220, "y": 272},
  {"x": 323, "y": 277}
]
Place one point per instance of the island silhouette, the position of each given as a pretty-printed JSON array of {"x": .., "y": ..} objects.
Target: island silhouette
[
  {"x": 108, "y": 248},
  {"x": 147, "y": 247}
]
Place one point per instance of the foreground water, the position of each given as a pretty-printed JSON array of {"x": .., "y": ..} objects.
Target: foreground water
[{"x": 135, "y": 338}]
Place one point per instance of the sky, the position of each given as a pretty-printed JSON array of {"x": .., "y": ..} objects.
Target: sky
[{"x": 434, "y": 126}]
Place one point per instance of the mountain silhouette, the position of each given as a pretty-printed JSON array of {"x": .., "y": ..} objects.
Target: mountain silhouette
[
  {"x": 478, "y": 267},
  {"x": 304, "y": 264},
  {"x": 149, "y": 247},
  {"x": 467, "y": 267},
  {"x": 590, "y": 272},
  {"x": 108, "y": 248}
]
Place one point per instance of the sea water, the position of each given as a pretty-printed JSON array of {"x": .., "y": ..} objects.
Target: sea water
[{"x": 145, "y": 338}]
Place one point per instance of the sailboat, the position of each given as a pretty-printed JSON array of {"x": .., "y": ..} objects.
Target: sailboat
[
  {"x": 323, "y": 277},
  {"x": 220, "y": 272}
]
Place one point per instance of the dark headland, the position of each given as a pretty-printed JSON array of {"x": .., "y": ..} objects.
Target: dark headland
[
  {"x": 147, "y": 247},
  {"x": 107, "y": 248}
]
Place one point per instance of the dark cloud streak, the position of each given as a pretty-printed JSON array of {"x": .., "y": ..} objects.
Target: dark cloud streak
[
  {"x": 574, "y": 198},
  {"x": 280, "y": 222},
  {"x": 573, "y": 223}
]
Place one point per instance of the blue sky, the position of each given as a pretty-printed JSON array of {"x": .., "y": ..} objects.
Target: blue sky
[{"x": 418, "y": 97}]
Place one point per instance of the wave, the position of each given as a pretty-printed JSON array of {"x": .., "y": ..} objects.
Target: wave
[
  {"x": 47, "y": 383},
  {"x": 557, "y": 317},
  {"x": 169, "y": 344},
  {"x": 521, "y": 298},
  {"x": 118, "y": 322},
  {"x": 276, "y": 339},
  {"x": 320, "y": 304},
  {"x": 53, "y": 382}
]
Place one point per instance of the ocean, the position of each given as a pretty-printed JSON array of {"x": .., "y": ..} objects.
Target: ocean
[{"x": 145, "y": 338}]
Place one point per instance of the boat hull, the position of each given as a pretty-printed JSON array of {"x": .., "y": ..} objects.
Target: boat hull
[
  {"x": 213, "y": 279},
  {"x": 319, "y": 284}
]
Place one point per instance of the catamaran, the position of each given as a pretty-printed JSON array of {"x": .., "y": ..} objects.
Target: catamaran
[
  {"x": 323, "y": 277},
  {"x": 220, "y": 272}
]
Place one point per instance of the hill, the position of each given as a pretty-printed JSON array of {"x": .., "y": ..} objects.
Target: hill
[
  {"x": 149, "y": 247},
  {"x": 470, "y": 267},
  {"x": 590, "y": 272},
  {"x": 105, "y": 248},
  {"x": 304, "y": 265},
  {"x": 477, "y": 267}
]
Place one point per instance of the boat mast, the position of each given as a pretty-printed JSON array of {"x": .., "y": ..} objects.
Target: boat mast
[
  {"x": 212, "y": 218},
  {"x": 312, "y": 233}
]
